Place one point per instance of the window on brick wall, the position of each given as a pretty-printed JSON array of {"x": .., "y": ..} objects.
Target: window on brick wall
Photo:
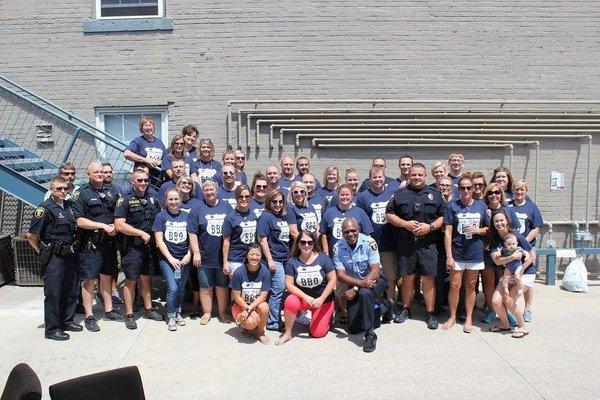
[{"x": 130, "y": 9}]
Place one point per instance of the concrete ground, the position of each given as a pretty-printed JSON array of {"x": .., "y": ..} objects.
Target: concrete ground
[{"x": 559, "y": 359}]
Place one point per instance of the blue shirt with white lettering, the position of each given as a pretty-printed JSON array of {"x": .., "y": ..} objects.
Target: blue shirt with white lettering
[
  {"x": 311, "y": 278},
  {"x": 207, "y": 171},
  {"x": 256, "y": 207},
  {"x": 277, "y": 231},
  {"x": 498, "y": 244},
  {"x": 250, "y": 284},
  {"x": 374, "y": 205},
  {"x": 154, "y": 149},
  {"x": 305, "y": 218},
  {"x": 168, "y": 159},
  {"x": 529, "y": 217},
  {"x": 241, "y": 229},
  {"x": 285, "y": 183},
  {"x": 319, "y": 202},
  {"x": 466, "y": 247},
  {"x": 327, "y": 193},
  {"x": 331, "y": 224},
  {"x": 227, "y": 195},
  {"x": 206, "y": 222},
  {"x": 174, "y": 229}
]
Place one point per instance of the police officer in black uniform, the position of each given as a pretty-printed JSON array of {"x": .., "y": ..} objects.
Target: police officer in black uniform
[
  {"x": 52, "y": 235},
  {"x": 416, "y": 211},
  {"x": 134, "y": 216},
  {"x": 94, "y": 211}
]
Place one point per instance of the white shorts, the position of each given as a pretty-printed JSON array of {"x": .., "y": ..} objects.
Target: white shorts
[
  {"x": 527, "y": 279},
  {"x": 461, "y": 266},
  {"x": 233, "y": 266}
]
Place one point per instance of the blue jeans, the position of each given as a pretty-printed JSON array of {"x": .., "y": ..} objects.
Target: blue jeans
[
  {"x": 175, "y": 287},
  {"x": 276, "y": 296}
]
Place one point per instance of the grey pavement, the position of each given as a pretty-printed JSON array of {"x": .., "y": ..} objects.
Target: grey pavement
[{"x": 559, "y": 359}]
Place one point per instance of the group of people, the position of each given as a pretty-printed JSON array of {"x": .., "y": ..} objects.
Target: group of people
[{"x": 285, "y": 247}]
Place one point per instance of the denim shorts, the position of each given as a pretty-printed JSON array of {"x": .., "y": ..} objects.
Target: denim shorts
[{"x": 211, "y": 277}]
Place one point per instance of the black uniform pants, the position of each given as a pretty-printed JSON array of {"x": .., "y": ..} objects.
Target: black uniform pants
[
  {"x": 361, "y": 309},
  {"x": 60, "y": 292}
]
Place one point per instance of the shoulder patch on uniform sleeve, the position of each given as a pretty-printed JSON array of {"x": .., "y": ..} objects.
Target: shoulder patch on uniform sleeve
[
  {"x": 373, "y": 244},
  {"x": 39, "y": 212},
  {"x": 75, "y": 195},
  {"x": 120, "y": 201}
]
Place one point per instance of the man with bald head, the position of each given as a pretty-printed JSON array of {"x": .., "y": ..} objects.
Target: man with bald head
[
  {"x": 287, "y": 174},
  {"x": 93, "y": 208},
  {"x": 358, "y": 267},
  {"x": 273, "y": 178}
]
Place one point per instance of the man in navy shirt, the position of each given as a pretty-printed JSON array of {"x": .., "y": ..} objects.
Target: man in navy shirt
[
  {"x": 273, "y": 178},
  {"x": 287, "y": 174},
  {"x": 378, "y": 162},
  {"x": 303, "y": 168}
]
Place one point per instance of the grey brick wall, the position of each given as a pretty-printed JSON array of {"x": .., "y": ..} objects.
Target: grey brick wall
[{"x": 223, "y": 50}]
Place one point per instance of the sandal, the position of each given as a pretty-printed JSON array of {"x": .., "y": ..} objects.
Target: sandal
[
  {"x": 518, "y": 334},
  {"x": 500, "y": 328},
  {"x": 205, "y": 319}
]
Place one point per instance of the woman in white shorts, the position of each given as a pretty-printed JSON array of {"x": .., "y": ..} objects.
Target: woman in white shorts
[{"x": 465, "y": 226}]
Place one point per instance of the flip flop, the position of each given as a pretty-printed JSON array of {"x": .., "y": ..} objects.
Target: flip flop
[
  {"x": 500, "y": 328},
  {"x": 468, "y": 330},
  {"x": 519, "y": 334}
]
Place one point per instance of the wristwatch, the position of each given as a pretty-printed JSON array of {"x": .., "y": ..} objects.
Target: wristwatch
[
  {"x": 431, "y": 228},
  {"x": 355, "y": 288},
  {"x": 248, "y": 310}
]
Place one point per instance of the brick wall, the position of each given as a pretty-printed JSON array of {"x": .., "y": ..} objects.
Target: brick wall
[{"x": 222, "y": 50}]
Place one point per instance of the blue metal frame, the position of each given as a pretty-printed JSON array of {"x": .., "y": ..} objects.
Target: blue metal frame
[
  {"x": 27, "y": 190},
  {"x": 551, "y": 260}
]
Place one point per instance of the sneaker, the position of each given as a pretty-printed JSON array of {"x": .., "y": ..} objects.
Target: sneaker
[
  {"x": 387, "y": 311},
  {"x": 116, "y": 297},
  {"x": 528, "y": 315},
  {"x": 153, "y": 315},
  {"x": 179, "y": 320},
  {"x": 489, "y": 316},
  {"x": 130, "y": 322},
  {"x": 512, "y": 321},
  {"x": 304, "y": 319},
  {"x": 402, "y": 316},
  {"x": 113, "y": 315},
  {"x": 432, "y": 322},
  {"x": 172, "y": 324},
  {"x": 91, "y": 324},
  {"x": 370, "y": 342}
]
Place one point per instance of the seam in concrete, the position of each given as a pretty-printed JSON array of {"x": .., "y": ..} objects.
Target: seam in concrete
[{"x": 133, "y": 343}]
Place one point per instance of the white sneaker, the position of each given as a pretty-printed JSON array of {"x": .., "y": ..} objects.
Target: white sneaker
[
  {"x": 304, "y": 318},
  {"x": 172, "y": 324},
  {"x": 179, "y": 320}
]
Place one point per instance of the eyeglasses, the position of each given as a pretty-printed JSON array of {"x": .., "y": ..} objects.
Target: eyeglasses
[
  {"x": 140, "y": 180},
  {"x": 240, "y": 157},
  {"x": 68, "y": 173},
  {"x": 276, "y": 201},
  {"x": 347, "y": 231},
  {"x": 225, "y": 173},
  {"x": 61, "y": 189},
  {"x": 306, "y": 242},
  {"x": 495, "y": 192},
  {"x": 243, "y": 196},
  {"x": 467, "y": 188},
  {"x": 298, "y": 191},
  {"x": 260, "y": 186}
]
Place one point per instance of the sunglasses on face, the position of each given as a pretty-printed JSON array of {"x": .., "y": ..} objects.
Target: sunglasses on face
[
  {"x": 260, "y": 186},
  {"x": 243, "y": 196},
  {"x": 276, "y": 201},
  {"x": 240, "y": 157},
  {"x": 298, "y": 191},
  {"x": 466, "y": 188},
  {"x": 495, "y": 192},
  {"x": 228, "y": 173},
  {"x": 61, "y": 189},
  {"x": 141, "y": 180},
  {"x": 67, "y": 173},
  {"x": 306, "y": 242}
]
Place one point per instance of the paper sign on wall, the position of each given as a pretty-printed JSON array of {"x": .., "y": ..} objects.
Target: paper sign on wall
[
  {"x": 557, "y": 180},
  {"x": 566, "y": 253}
]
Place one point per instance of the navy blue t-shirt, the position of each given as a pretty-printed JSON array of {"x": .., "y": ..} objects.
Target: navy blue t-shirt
[
  {"x": 277, "y": 231},
  {"x": 206, "y": 221},
  {"x": 241, "y": 230},
  {"x": 305, "y": 218},
  {"x": 227, "y": 195},
  {"x": 498, "y": 244},
  {"x": 250, "y": 284},
  {"x": 189, "y": 204},
  {"x": 311, "y": 278},
  {"x": 512, "y": 216},
  {"x": 168, "y": 185},
  {"x": 285, "y": 183},
  {"x": 168, "y": 159},
  {"x": 174, "y": 229},
  {"x": 331, "y": 224},
  {"x": 327, "y": 193},
  {"x": 374, "y": 205},
  {"x": 466, "y": 247},
  {"x": 152, "y": 149},
  {"x": 319, "y": 202},
  {"x": 256, "y": 207},
  {"x": 207, "y": 171},
  {"x": 529, "y": 217}
]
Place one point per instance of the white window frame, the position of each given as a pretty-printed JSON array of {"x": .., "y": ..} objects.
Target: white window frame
[
  {"x": 161, "y": 12},
  {"x": 164, "y": 126}
]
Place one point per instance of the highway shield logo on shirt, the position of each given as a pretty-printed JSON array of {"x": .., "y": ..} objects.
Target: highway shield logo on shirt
[
  {"x": 309, "y": 277},
  {"x": 214, "y": 224},
  {"x": 522, "y": 219},
  {"x": 378, "y": 215},
  {"x": 284, "y": 235},
  {"x": 309, "y": 222},
  {"x": 250, "y": 291},
  {"x": 154, "y": 153},
  {"x": 465, "y": 220},
  {"x": 176, "y": 232},
  {"x": 337, "y": 227},
  {"x": 248, "y": 231}
]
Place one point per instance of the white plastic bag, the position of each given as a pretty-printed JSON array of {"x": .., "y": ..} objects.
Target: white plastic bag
[{"x": 575, "y": 278}]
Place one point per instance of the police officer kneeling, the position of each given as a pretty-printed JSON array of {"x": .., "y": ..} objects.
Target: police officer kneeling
[
  {"x": 134, "y": 216},
  {"x": 94, "y": 211},
  {"x": 52, "y": 235},
  {"x": 358, "y": 266}
]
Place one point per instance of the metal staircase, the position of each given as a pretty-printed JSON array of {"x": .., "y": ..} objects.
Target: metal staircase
[{"x": 37, "y": 136}]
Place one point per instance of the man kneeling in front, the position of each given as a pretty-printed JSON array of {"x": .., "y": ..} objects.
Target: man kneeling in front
[{"x": 357, "y": 264}]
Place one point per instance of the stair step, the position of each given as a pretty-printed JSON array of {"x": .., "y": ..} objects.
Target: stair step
[
  {"x": 25, "y": 164},
  {"x": 41, "y": 175},
  {"x": 12, "y": 152}
]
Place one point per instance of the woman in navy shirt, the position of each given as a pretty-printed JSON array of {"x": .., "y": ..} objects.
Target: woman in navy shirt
[
  {"x": 273, "y": 232},
  {"x": 147, "y": 150},
  {"x": 318, "y": 201},
  {"x": 259, "y": 193},
  {"x": 176, "y": 152},
  {"x": 206, "y": 231},
  {"x": 500, "y": 228},
  {"x": 531, "y": 221},
  {"x": 302, "y": 215},
  {"x": 239, "y": 231},
  {"x": 465, "y": 226},
  {"x": 187, "y": 191},
  {"x": 331, "y": 182},
  {"x": 249, "y": 290},
  {"x": 170, "y": 231},
  {"x": 503, "y": 177},
  {"x": 310, "y": 278},
  {"x": 206, "y": 167},
  {"x": 331, "y": 224}
]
